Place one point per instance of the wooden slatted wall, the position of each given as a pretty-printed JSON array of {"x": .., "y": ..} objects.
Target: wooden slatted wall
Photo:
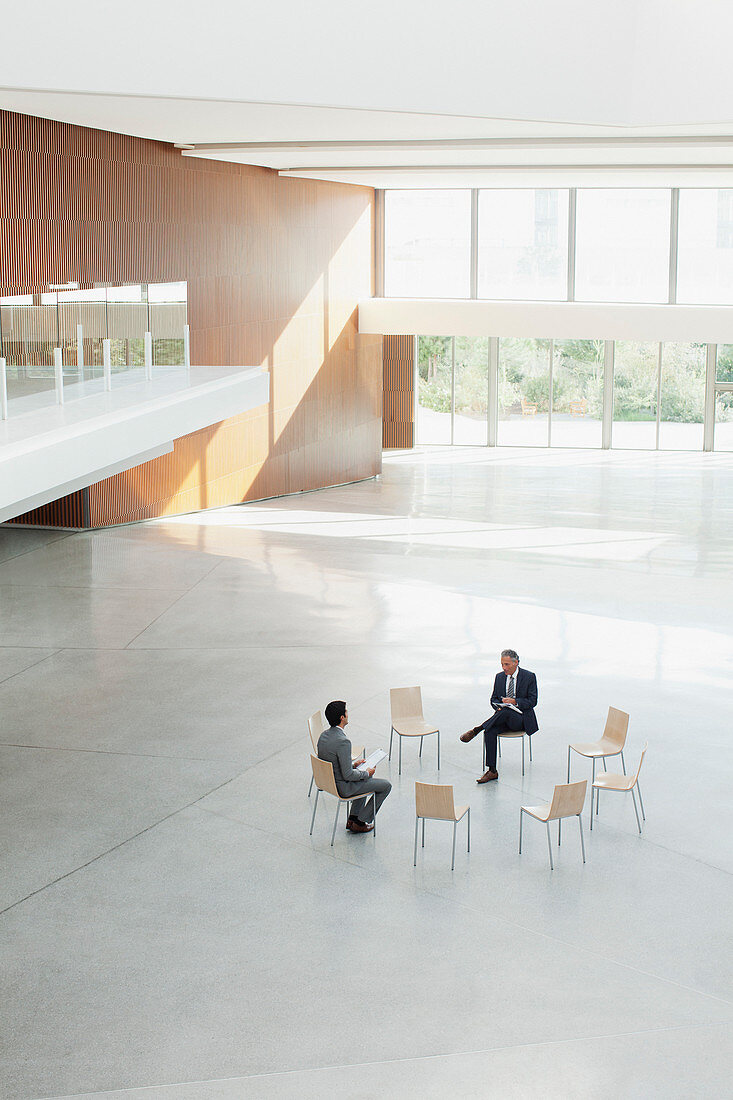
[
  {"x": 398, "y": 427},
  {"x": 275, "y": 268}
]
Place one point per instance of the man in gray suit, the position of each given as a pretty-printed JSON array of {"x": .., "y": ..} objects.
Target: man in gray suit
[{"x": 334, "y": 746}]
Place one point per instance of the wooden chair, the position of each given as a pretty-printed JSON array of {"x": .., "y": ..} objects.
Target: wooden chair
[
  {"x": 567, "y": 801},
  {"x": 316, "y": 726},
  {"x": 529, "y": 408},
  {"x": 408, "y": 720},
  {"x": 325, "y": 781},
  {"x": 625, "y": 783},
  {"x": 579, "y": 408},
  {"x": 513, "y": 733},
  {"x": 611, "y": 744},
  {"x": 435, "y": 801}
]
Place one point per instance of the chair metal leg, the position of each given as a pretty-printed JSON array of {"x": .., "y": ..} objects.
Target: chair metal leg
[
  {"x": 423, "y": 832},
  {"x": 592, "y": 781},
  {"x": 529, "y": 738},
  {"x": 604, "y": 763},
  {"x": 313, "y": 779},
  {"x": 641, "y": 801},
  {"x": 399, "y": 770},
  {"x": 521, "y": 819},
  {"x": 414, "y": 859},
  {"x": 582, "y": 842},
  {"x": 468, "y": 815},
  {"x": 374, "y": 815},
  {"x": 568, "y": 763},
  {"x": 315, "y": 807},
  {"x": 623, "y": 762},
  {"x": 391, "y": 735},
  {"x": 522, "y": 754},
  {"x": 438, "y": 750},
  {"x": 453, "y": 859},
  {"x": 559, "y": 830},
  {"x": 335, "y": 820},
  {"x": 633, "y": 797},
  {"x": 498, "y": 745},
  {"x": 549, "y": 846},
  {"x": 419, "y": 755}
]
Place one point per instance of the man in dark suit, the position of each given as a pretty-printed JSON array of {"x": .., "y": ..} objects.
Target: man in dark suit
[
  {"x": 514, "y": 698},
  {"x": 351, "y": 781}
]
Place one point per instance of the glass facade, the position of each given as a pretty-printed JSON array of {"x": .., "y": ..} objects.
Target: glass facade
[
  {"x": 523, "y": 244},
  {"x": 630, "y": 395},
  {"x": 427, "y": 245}
]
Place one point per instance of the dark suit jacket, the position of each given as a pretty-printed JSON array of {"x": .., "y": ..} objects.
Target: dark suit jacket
[{"x": 525, "y": 692}]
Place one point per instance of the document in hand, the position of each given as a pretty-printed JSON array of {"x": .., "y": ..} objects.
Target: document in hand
[
  {"x": 373, "y": 759},
  {"x": 510, "y": 706}
]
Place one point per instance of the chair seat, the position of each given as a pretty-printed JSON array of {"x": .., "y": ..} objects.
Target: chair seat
[
  {"x": 460, "y": 811},
  {"x": 513, "y": 733},
  {"x": 357, "y": 752},
  {"x": 615, "y": 782},
  {"x": 597, "y": 748},
  {"x": 542, "y": 812},
  {"x": 413, "y": 727}
]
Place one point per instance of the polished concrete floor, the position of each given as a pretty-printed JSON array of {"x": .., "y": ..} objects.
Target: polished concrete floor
[{"x": 169, "y": 929}]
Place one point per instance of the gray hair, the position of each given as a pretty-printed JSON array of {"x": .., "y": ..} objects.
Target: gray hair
[{"x": 510, "y": 653}]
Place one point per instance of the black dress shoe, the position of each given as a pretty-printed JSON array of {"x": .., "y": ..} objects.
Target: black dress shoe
[{"x": 359, "y": 827}]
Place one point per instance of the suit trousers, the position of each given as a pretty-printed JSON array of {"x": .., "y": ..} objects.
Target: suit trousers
[
  {"x": 504, "y": 719},
  {"x": 367, "y": 808}
]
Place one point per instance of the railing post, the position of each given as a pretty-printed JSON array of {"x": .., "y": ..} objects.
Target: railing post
[
  {"x": 3, "y": 391},
  {"x": 58, "y": 370},
  {"x": 80, "y": 352},
  {"x": 187, "y": 347},
  {"x": 107, "y": 360},
  {"x": 148, "y": 357}
]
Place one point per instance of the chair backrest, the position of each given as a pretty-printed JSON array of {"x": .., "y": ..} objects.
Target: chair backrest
[
  {"x": 435, "y": 800},
  {"x": 316, "y": 726},
  {"x": 405, "y": 702},
  {"x": 641, "y": 761},
  {"x": 568, "y": 800},
  {"x": 617, "y": 726},
  {"x": 323, "y": 775}
]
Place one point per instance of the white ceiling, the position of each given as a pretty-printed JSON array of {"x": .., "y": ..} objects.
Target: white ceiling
[{"x": 395, "y": 94}]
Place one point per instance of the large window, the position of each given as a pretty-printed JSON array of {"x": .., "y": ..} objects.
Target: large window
[
  {"x": 548, "y": 244},
  {"x": 622, "y": 245},
  {"x": 705, "y": 249},
  {"x": 524, "y": 392},
  {"x": 427, "y": 244},
  {"x": 523, "y": 244},
  {"x": 577, "y": 393}
]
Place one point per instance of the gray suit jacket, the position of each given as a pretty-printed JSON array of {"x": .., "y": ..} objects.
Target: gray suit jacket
[{"x": 334, "y": 746}]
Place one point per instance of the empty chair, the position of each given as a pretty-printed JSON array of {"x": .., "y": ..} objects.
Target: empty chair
[
  {"x": 624, "y": 783},
  {"x": 325, "y": 781},
  {"x": 435, "y": 801},
  {"x": 408, "y": 720},
  {"x": 611, "y": 744},
  {"x": 316, "y": 726},
  {"x": 567, "y": 801}
]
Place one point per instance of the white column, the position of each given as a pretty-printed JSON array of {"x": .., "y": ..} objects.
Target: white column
[
  {"x": 148, "y": 357},
  {"x": 58, "y": 370},
  {"x": 3, "y": 391},
  {"x": 107, "y": 360},
  {"x": 187, "y": 347},
  {"x": 80, "y": 352}
]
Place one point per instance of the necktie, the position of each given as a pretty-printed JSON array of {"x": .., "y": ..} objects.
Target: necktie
[{"x": 510, "y": 688}]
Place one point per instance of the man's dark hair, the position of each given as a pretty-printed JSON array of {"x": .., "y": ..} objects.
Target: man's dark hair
[{"x": 335, "y": 712}]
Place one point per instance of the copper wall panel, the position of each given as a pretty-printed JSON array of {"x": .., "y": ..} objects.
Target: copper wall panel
[
  {"x": 399, "y": 391},
  {"x": 275, "y": 268}
]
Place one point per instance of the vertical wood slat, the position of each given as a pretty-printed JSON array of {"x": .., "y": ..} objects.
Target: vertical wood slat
[
  {"x": 275, "y": 269},
  {"x": 398, "y": 428}
]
